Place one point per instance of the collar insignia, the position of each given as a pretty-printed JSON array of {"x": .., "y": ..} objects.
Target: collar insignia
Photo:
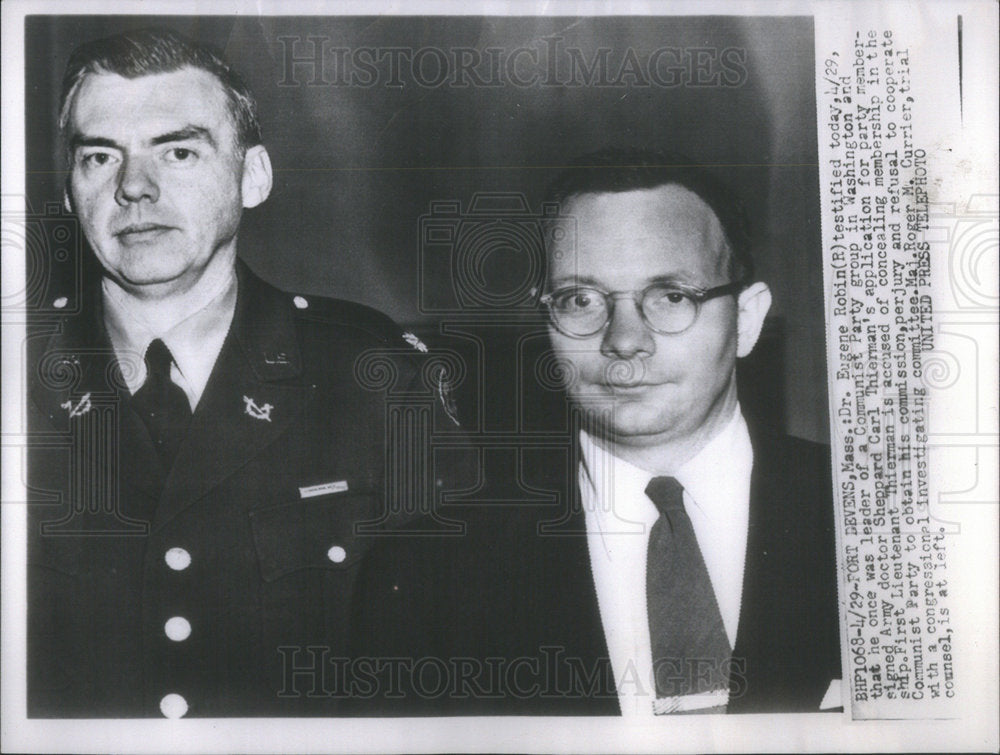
[
  {"x": 257, "y": 412},
  {"x": 275, "y": 357},
  {"x": 80, "y": 409},
  {"x": 415, "y": 342}
]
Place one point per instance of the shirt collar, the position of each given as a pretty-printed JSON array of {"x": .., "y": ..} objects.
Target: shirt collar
[
  {"x": 619, "y": 501},
  {"x": 624, "y": 484},
  {"x": 194, "y": 341},
  {"x": 706, "y": 488}
]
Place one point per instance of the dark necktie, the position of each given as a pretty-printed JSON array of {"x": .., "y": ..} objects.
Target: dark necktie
[
  {"x": 691, "y": 652},
  {"x": 162, "y": 405}
]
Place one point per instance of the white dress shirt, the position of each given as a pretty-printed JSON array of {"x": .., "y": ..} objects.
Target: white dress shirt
[
  {"x": 194, "y": 342},
  {"x": 619, "y": 517}
]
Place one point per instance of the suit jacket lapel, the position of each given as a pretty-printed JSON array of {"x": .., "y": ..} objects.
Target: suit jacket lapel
[
  {"x": 757, "y": 624},
  {"x": 776, "y": 612},
  {"x": 254, "y": 394},
  {"x": 564, "y": 557}
]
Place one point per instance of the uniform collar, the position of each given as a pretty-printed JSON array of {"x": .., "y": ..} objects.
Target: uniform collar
[
  {"x": 78, "y": 358},
  {"x": 194, "y": 341},
  {"x": 264, "y": 327}
]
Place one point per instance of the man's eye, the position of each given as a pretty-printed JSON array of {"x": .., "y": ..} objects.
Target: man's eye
[
  {"x": 667, "y": 297},
  {"x": 181, "y": 155},
  {"x": 580, "y": 300},
  {"x": 95, "y": 159}
]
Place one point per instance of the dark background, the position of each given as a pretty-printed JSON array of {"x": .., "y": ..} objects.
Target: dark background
[{"x": 357, "y": 167}]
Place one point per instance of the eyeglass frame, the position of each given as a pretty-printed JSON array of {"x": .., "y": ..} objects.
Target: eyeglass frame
[{"x": 698, "y": 295}]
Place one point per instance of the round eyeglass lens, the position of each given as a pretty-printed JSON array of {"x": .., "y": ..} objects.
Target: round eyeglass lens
[
  {"x": 580, "y": 311},
  {"x": 669, "y": 310}
]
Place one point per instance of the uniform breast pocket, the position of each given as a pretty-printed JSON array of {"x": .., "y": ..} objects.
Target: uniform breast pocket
[{"x": 313, "y": 534}]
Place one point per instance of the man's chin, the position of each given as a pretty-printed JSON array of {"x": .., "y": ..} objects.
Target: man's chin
[
  {"x": 150, "y": 281},
  {"x": 627, "y": 418}
]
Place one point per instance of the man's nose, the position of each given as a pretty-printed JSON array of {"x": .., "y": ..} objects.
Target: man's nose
[
  {"x": 136, "y": 182},
  {"x": 627, "y": 335}
]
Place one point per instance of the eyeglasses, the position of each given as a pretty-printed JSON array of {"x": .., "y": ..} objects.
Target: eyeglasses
[{"x": 666, "y": 308}]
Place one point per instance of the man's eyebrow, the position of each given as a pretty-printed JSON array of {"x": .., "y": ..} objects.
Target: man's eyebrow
[
  {"x": 681, "y": 278},
  {"x": 577, "y": 280},
  {"x": 657, "y": 280},
  {"x": 185, "y": 134},
  {"x": 77, "y": 141}
]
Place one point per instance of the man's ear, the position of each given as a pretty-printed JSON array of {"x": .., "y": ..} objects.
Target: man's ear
[
  {"x": 67, "y": 197},
  {"x": 257, "y": 176},
  {"x": 754, "y": 302}
]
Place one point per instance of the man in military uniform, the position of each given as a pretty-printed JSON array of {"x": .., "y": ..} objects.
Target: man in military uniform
[{"x": 220, "y": 454}]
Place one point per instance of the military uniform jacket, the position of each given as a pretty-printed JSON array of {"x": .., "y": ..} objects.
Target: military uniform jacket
[{"x": 226, "y": 582}]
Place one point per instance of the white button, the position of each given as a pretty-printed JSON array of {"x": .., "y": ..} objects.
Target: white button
[
  {"x": 177, "y": 559},
  {"x": 60, "y": 303},
  {"x": 173, "y": 705},
  {"x": 177, "y": 628},
  {"x": 336, "y": 554},
  {"x": 300, "y": 302}
]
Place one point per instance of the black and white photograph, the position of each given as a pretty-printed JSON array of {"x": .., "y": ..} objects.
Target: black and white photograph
[{"x": 517, "y": 379}]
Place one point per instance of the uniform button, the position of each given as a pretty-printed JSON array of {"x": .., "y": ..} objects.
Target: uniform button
[
  {"x": 173, "y": 705},
  {"x": 60, "y": 303},
  {"x": 336, "y": 554},
  {"x": 177, "y": 628},
  {"x": 300, "y": 302},
  {"x": 177, "y": 559}
]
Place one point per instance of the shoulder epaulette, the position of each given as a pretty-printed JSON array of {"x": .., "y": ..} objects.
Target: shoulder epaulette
[{"x": 354, "y": 315}]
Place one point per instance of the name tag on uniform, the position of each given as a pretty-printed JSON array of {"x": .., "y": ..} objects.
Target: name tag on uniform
[{"x": 323, "y": 489}]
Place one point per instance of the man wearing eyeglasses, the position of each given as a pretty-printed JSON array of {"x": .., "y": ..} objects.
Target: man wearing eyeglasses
[
  {"x": 690, "y": 568},
  {"x": 652, "y": 300}
]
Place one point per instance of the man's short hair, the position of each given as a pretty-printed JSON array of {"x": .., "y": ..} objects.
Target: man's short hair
[
  {"x": 612, "y": 170},
  {"x": 157, "y": 50}
]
